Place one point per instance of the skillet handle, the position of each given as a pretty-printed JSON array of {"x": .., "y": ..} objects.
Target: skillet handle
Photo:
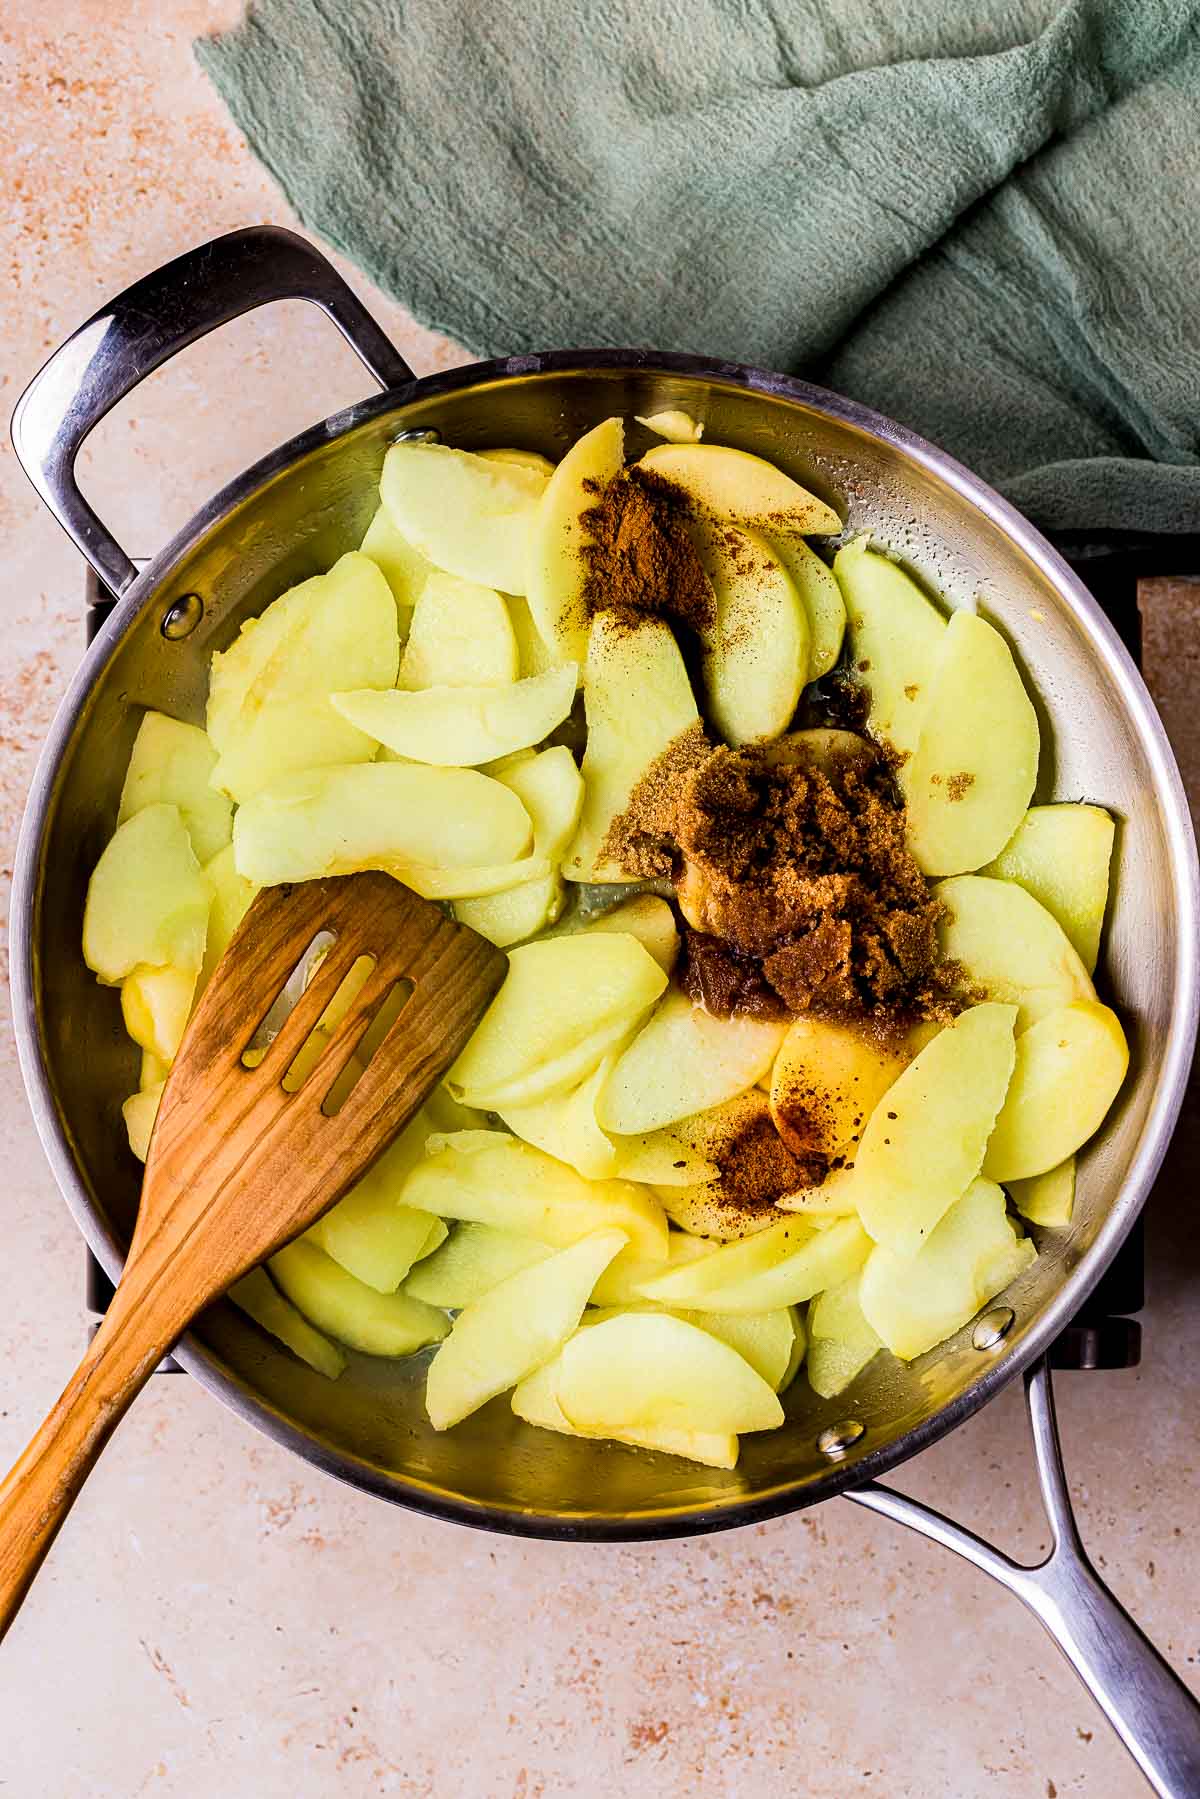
[
  {"x": 1152, "y": 1711},
  {"x": 139, "y": 330}
]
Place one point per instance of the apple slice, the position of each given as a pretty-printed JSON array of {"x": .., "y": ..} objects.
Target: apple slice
[
  {"x": 924, "y": 1145},
  {"x": 402, "y": 565},
  {"x": 840, "y": 1340},
  {"x": 756, "y": 656},
  {"x": 834, "y": 1198},
  {"x": 148, "y": 898},
  {"x": 1046, "y": 1199},
  {"x": 1010, "y": 947},
  {"x": 512, "y": 1330},
  {"x": 827, "y": 1080},
  {"x": 562, "y": 995},
  {"x": 469, "y": 515},
  {"x": 780, "y": 1266},
  {"x": 644, "y": 916},
  {"x": 1069, "y": 1069},
  {"x": 461, "y": 635},
  {"x": 621, "y": 1283},
  {"x": 534, "y": 654},
  {"x": 915, "y": 1302},
  {"x": 684, "y": 1061},
  {"x": 139, "y": 1112},
  {"x": 550, "y": 787},
  {"x": 231, "y": 897},
  {"x": 895, "y": 640},
  {"x": 268, "y": 699},
  {"x": 257, "y": 1295},
  {"x": 1061, "y": 854},
  {"x": 968, "y": 781},
  {"x": 473, "y": 1259},
  {"x": 648, "y": 1370},
  {"x": 369, "y": 1232},
  {"x": 638, "y": 701},
  {"x": 565, "y": 1127},
  {"x": 821, "y": 597},
  {"x": 736, "y": 488},
  {"x": 536, "y": 1401},
  {"x": 533, "y": 459},
  {"x": 767, "y": 1340},
  {"x": 382, "y": 1324},
  {"x": 395, "y": 816},
  {"x": 710, "y": 1202},
  {"x": 156, "y": 1004},
  {"x": 487, "y": 1177},
  {"x": 462, "y": 726},
  {"x": 558, "y": 571},
  {"x": 673, "y": 424},
  {"x": 171, "y": 764}
]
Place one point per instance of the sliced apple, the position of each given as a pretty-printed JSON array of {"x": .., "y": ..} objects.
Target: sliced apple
[
  {"x": 402, "y": 565},
  {"x": 463, "y": 726},
  {"x": 924, "y": 1145},
  {"x": 756, "y": 654},
  {"x": 139, "y": 1112},
  {"x": 1046, "y": 1199},
  {"x": 673, "y": 424},
  {"x": 550, "y": 788},
  {"x": 156, "y": 1004},
  {"x": 969, "y": 778},
  {"x": 915, "y": 1302},
  {"x": 622, "y": 1280},
  {"x": 840, "y": 1340},
  {"x": 171, "y": 764},
  {"x": 231, "y": 897},
  {"x": 834, "y": 1198},
  {"x": 895, "y": 640},
  {"x": 1069, "y": 1069},
  {"x": 396, "y": 816},
  {"x": 486, "y": 1177},
  {"x": 469, "y": 515},
  {"x": 148, "y": 898},
  {"x": 512, "y": 1330},
  {"x": 741, "y": 489},
  {"x": 382, "y": 1324},
  {"x": 1009, "y": 947},
  {"x": 534, "y": 654},
  {"x": 461, "y": 635},
  {"x": 662, "y": 1159},
  {"x": 780, "y": 1266},
  {"x": 644, "y": 916},
  {"x": 767, "y": 1340},
  {"x": 532, "y": 459},
  {"x": 713, "y": 1203},
  {"x": 557, "y": 571},
  {"x": 638, "y": 701},
  {"x": 648, "y": 1370},
  {"x": 473, "y": 1259},
  {"x": 822, "y": 599},
  {"x": 1061, "y": 854},
  {"x": 684, "y": 1061},
  {"x": 536, "y": 1401},
  {"x": 257, "y": 1295},
  {"x": 563, "y": 999},
  {"x": 565, "y": 1127},
  {"x": 369, "y": 1232},
  {"x": 268, "y": 699},
  {"x": 827, "y": 1079}
]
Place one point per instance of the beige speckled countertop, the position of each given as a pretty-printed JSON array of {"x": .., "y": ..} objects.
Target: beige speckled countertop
[{"x": 220, "y": 1619}]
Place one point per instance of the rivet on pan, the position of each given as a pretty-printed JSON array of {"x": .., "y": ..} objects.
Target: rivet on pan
[
  {"x": 182, "y": 616},
  {"x": 417, "y": 437},
  {"x": 836, "y": 1439},
  {"x": 993, "y": 1327}
]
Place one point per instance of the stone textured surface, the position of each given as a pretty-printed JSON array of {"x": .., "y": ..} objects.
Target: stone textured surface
[{"x": 217, "y": 1618}]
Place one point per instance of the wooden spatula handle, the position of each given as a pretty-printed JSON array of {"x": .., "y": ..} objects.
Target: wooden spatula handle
[{"x": 42, "y": 1486}]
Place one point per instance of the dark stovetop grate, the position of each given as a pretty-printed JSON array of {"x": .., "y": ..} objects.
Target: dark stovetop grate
[{"x": 1105, "y": 1333}]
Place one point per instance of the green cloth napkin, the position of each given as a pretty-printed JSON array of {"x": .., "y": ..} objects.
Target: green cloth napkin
[{"x": 979, "y": 216}]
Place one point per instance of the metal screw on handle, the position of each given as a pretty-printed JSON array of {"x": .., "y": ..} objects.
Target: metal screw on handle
[
  {"x": 1144, "y": 1700},
  {"x": 145, "y": 326}
]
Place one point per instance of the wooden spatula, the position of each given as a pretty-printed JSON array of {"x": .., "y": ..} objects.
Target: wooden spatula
[{"x": 238, "y": 1164}]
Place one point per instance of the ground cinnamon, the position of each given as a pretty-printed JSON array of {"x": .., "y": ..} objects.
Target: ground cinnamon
[{"x": 641, "y": 559}]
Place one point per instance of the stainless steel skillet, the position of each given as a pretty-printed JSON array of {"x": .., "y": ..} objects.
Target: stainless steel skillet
[{"x": 291, "y": 515}]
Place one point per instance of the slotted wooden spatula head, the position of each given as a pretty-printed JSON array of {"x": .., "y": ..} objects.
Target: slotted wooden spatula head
[{"x": 244, "y": 1156}]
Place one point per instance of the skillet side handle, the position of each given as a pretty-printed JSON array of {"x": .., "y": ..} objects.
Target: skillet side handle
[
  {"x": 1152, "y": 1711},
  {"x": 145, "y": 326}
]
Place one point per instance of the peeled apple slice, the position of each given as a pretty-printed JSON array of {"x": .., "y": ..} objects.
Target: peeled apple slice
[
  {"x": 969, "y": 779},
  {"x": 171, "y": 764},
  {"x": 534, "y": 654},
  {"x": 403, "y": 567},
  {"x": 550, "y": 788},
  {"x": 675, "y": 425},
  {"x": 622, "y": 1281},
  {"x": 469, "y": 515},
  {"x": 756, "y": 658},
  {"x": 644, "y": 916},
  {"x": 915, "y": 1302},
  {"x": 827, "y": 1080},
  {"x": 463, "y": 726},
  {"x": 382, "y": 1324},
  {"x": 268, "y": 697},
  {"x": 557, "y": 570},
  {"x": 473, "y": 1259},
  {"x": 1068, "y": 1071},
  {"x": 638, "y": 700},
  {"x": 388, "y": 815},
  {"x": 562, "y": 996},
  {"x": 1046, "y": 1199},
  {"x": 924, "y": 1145},
  {"x": 156, "y": 1004},
  {"x": 536, "y": 1401},
  {"x": 532, "y": 459},
  {"x": 684, "y": 1061},
  {"x": 767, "y": 1340},
  {"x": 512, "y": 1330},
  {"x": 1061, "y": 854},
  {"x": 780, "y": 1266},
  {"x": 370, "y": 1234},
  {"x": 257, "y": 1295},
  {"x": 461, "y": 635},
  {"x": 1010, "y": 947},
  {"x": 139, "y": 1112},
  {"x": 650, "y": 1371},
  {"x": 565, "y": 1127},
  {"x": 840, "y": 1340},
  {"x": 147, "y": 900},
  {"x": 821, "y": 598},
  {"x": 231, "y": 897},
  {"x": 486, "y": 1177},
  {"x": 895, "y": 640},
  {"x": 741, "y": 489}
]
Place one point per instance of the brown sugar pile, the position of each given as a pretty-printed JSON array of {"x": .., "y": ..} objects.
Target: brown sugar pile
[
  {"x": 792, "y": 870},
  {"x": 641, "y": 560}
]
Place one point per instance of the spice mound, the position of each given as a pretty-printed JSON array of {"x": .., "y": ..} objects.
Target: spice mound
[
  {"x": 755, "y": 1167},
  {"x": 641, "y": 558},
  {"x": 793, "y": 874}
]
